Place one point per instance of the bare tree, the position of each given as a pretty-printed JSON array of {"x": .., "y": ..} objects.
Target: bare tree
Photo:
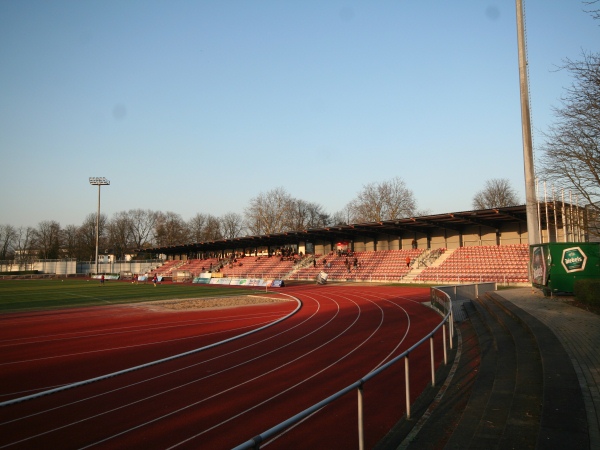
[
  {"x": 571, "y": 157},
  {"x": 303, "y": 215},
  {"x": 197, "y": 227},
  {"x": 571, "y": 151},
  {"x": 232, "y": 225},
  {"x": 213, "y": 230},
  {"x": 143, "y": 223},
  {"x": 87, "y": 236},
  {"x": 595, "y": 13},
  {"x": 268, "y": 212},
  {"x": 204, "y": 227},
  {"x": 170, "y": 229},
  {"x": 24, "y": 253},
  {"x": 47, "y": 239},
  {"x": 388, "y": 200},
  {"x": 343, "y": 217},
  {"x": 577, "y": 129},
  {"x": 8, "y": 234},
  {"x": 497, "y": 193},
  {"x": 71, "y": 241},
  {"x": 119, "y": 234}
]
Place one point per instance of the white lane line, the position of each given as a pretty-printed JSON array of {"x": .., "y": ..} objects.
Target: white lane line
[
  {"x": 141, "y": 366},
  {"x": 391, "y": 297},
  {"x": 146, "y": 344},
  {"x": 368, "y": 338},
  {"x": 159, "y": 393},
  {"x": 156, "y": 419},
  {"x": 171, "y": 372},
  {"x": 123, "y": 330},
  {"x": 279, "y": 393}
]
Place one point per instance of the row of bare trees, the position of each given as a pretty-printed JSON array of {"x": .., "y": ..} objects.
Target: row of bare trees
[
  {"x": 124, "y": 233},
  {"x": 51, "y": 241},
  {"x": 275, "y": 211}
]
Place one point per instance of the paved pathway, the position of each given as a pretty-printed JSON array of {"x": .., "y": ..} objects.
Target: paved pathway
[{"x": 579, "y": 333}]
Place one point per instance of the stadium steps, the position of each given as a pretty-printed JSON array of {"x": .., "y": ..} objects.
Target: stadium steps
[
  {"x": 504, "y": 408},
  {"x": 563, "y": 419},
  {"x": 514, "y": 387},
  {"x": 534, "y": 399},
  {"x": 443, "y": 257}
]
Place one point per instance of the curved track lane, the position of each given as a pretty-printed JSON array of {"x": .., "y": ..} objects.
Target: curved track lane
[{"x": 224, "y": 395}]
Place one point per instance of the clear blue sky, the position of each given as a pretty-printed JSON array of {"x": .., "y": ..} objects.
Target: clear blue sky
[{"x": 199, "y": 106}]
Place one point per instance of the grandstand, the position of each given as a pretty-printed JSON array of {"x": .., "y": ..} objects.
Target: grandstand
[
  {"x": 460, "y": 247},
  {"x": 383, "y": 265},
  {"x": 502, "y": 264},
  {"x": 259, "y": 267}
]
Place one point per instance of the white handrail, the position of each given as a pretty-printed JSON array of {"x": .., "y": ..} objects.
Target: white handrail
[{"x": 439, "y": 299}]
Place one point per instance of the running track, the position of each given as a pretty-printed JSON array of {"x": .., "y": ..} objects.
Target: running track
[{"x": 224, "y": 395}]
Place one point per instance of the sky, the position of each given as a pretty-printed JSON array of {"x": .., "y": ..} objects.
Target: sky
[{"x": 200, "y": 106}]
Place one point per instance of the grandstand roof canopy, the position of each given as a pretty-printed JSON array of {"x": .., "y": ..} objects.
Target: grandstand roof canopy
[{"x": 492, "y": 218}]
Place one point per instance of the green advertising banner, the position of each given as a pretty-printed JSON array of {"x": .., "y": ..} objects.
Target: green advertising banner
[{"x": 555, "y": 266}]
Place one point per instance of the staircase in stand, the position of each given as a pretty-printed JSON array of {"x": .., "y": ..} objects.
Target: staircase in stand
[{"x": 415, "y": 272}]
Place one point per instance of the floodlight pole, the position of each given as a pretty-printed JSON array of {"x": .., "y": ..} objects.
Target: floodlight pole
[
  {"x": 533, "y": 233},
  {"x": 98, "y": 181}
]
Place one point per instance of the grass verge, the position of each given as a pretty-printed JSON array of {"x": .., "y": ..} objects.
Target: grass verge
[{"x": 31, "y": 295}]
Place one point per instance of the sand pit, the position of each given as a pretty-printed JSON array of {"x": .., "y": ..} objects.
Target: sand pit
[{"x": 206, "y": 303}]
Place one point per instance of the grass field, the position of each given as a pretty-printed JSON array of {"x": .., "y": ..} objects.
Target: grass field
[{"x": 29, "y": 295}]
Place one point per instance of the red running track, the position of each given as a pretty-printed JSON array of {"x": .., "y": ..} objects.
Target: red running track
[{"x": 224, "y": 395}]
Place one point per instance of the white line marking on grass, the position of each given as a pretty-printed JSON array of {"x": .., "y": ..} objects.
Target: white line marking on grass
[{"x": 86, "y": 296}]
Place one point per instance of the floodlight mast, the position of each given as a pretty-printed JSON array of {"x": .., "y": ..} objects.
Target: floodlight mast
[
  {"x": 529, "y": 168},
  {"x": 98, "y": 181}
]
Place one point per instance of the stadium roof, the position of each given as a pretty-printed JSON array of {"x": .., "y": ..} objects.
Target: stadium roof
[{"x": 457, "y": 221}]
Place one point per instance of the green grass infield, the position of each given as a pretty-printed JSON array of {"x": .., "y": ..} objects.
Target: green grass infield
[{"x": 31, "y": 295}]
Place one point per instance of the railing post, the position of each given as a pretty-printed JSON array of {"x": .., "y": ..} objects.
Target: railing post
[
  {"x": 451, "y": 329},
  {"x": 361, "y": 430},
  {"x": 432, "y": 361},
  {"x": 407, "y": 385},
  {"x": 444, "y": 344}
]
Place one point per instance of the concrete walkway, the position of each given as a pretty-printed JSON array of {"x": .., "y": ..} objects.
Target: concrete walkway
[{"x": 579, "y": 333}]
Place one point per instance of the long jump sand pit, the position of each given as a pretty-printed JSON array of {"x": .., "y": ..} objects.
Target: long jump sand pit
[{"x": 212, "y": 303}]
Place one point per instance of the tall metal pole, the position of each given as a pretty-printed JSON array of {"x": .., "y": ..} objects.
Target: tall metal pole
[
  {"x": 530, "y": 199},
  {"x": 98, "y": 228},
  {"x": 98, "y": 181}
]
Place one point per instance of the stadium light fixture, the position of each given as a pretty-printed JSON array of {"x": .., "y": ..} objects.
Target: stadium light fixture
[
  {"x": 98, "y": 181},
  {"x": 533, "y": 234}
]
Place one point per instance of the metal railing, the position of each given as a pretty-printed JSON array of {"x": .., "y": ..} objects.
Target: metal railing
[
  {"x": 466, "y": 277},
  {"x": 441, "y": 302}
]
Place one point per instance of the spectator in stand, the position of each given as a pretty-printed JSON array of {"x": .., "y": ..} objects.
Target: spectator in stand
[
  {"x": 414, "y": 244},
  {"x": 408, "y": 261},
  {"x": 315, "y": 262}
]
